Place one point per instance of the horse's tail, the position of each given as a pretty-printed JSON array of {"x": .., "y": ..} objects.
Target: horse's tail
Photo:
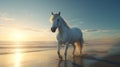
[{"x": 79, "y": 45}]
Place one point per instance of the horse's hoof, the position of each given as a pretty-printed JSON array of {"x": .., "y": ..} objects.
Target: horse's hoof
[
  {"x": 73, "y": 56},
  {"x": 60, "y": 58},
  {"x": 65, "y": 58},
  {"x": 81, "y": 55}
]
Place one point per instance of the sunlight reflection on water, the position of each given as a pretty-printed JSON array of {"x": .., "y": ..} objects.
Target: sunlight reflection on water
[{"x": 17, "y": 57}]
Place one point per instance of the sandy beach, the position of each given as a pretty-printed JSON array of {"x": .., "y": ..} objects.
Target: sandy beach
[
  {"x": 49, "y": 58},
  {"x": 42, "y": 59}
]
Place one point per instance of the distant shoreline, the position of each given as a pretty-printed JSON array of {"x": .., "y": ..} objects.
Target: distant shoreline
[{"x": 6, "y": 53}]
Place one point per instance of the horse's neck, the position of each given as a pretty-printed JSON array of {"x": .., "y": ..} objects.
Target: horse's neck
[{"x": 63, "y": 28}]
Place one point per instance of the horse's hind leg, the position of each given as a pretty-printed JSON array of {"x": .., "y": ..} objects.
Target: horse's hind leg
[
  {"x": 74, "y": 47},
  {"x": 81, "y": 46}
]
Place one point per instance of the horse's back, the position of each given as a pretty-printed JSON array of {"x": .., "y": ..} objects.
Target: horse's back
[{"x": 76, "y": 33}]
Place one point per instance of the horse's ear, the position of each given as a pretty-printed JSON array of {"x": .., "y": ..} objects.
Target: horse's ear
[
  {"x": 51, "y": 13},
  {"x": 59, "y": 13}
]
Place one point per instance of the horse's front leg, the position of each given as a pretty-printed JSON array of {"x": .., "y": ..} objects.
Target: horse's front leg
[
  {"x": 66, "y": 48},
  {"x": 59, "y": 47}
]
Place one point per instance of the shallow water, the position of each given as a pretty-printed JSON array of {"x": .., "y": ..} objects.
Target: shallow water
[
  {"x": 43, "y": 54},
  {"x": 7, "y": 47}
]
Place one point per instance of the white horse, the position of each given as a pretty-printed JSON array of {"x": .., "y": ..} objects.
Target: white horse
[{"x": 66, "y": 35}]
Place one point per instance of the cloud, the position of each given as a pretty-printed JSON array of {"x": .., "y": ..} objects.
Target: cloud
[
  {"x": 26, "y": 28},
  {"x": 6, "y": 19},
  {"x": 22, "y": 27},
  {"x": 95, "y": 30},
  {"x": 77, "y": 20},
  {"x": 29, "y": 28}
]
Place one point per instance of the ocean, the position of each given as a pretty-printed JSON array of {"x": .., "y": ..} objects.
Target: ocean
[{"x": 9, "y": 47}]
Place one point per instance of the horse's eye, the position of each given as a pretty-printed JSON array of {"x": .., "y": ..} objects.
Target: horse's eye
[{"x": 58, "y": 20}]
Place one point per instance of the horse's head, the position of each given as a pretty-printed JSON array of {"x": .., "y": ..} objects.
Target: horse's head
[{"x": 55, "y": 19}]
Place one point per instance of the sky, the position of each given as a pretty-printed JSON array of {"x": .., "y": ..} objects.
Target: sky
[{"x": 28, "y": 20}]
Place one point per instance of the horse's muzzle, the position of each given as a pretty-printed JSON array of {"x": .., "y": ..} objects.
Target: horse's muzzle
[{"x": 53, "y": 29}]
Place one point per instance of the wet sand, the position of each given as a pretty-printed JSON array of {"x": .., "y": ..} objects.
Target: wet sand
[
  {"x": 100, "y": 55},
  {"x": 49, "y": 58}
]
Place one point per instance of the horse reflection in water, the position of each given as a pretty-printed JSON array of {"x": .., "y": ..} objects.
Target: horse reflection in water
[
  {"x": 76, "y": 62},
  {"x": 66, "y": 35}
]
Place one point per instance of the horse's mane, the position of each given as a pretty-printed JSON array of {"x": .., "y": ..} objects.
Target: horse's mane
[{"x": 64, "y": 22}]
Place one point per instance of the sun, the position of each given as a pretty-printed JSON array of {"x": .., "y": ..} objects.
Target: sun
[{"x": 17, "y": 36}]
